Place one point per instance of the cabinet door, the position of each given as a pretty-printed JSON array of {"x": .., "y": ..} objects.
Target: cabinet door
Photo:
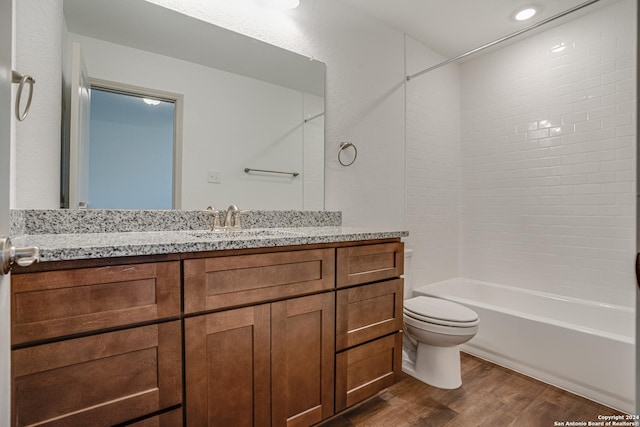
[
  {"x": 227, "y": 368},
  {"x": 367, "y": 312},
  {"x": 59, "y": 303},
  {"x": 363, "y": 371},
  {"x": 99, "y": 380},
  {"x": 356, "y": 265},
  {"x": 302, "y": 372}
]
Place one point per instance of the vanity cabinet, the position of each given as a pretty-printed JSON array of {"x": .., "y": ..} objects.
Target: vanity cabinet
[
  {"x": 96, "y": 346},
  {"x": 267, "y": 363},
  {"x": 258, "y": 337}
]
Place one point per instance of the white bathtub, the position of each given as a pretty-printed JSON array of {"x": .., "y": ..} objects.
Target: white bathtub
[{"x": 581, "y": 346}]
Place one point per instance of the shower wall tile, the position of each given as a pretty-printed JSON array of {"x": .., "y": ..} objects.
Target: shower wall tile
[
  {"x": 547, "y": 181},
  {"x": 433, "y": 165}
]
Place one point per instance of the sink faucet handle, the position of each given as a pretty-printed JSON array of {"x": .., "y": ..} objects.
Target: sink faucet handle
[
  {"x": 216, "y": 216},
  {"x": 235, "y": 219}
]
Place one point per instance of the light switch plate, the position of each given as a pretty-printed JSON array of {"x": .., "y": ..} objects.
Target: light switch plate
[{"x": 214, "y": 176}]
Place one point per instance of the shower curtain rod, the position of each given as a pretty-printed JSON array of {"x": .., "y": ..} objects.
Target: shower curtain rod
[
  {"x": 505, "y": 38},
  {"x": 314, "y": 117}
]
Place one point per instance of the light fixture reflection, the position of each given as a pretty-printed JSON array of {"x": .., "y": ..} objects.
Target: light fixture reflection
[
  {"x": 149, "y": 101},
  {"x": 559, "y": 47},
  {"x": 525, "y": 14}
]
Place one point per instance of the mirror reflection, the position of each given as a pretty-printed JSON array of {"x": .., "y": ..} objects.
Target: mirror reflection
[
  {"x": 131, "y": 145},
  {"x": 238, "y": 103}
]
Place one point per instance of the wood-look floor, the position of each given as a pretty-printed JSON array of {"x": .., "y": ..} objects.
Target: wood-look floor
[{"x": 490, "y": 396}]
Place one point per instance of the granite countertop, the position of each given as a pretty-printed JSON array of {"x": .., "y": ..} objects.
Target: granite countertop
[{"x": 61, "y": 247}]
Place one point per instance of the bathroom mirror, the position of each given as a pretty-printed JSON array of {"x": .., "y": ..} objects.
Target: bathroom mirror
[{"x": 241, "y": 104}]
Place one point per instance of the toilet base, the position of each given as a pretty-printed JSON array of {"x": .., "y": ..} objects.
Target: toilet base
[{"x": 436, "y": 366}]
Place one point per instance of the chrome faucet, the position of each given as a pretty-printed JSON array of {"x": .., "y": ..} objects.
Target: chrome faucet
[{"x": 231, "y": 219}]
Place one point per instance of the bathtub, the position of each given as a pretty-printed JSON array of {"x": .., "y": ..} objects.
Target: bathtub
[{"x": 581, "y": 346}]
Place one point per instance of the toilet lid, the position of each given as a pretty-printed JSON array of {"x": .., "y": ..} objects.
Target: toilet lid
[{"x": 439, "y": 309}]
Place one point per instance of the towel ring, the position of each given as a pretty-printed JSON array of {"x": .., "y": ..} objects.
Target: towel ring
[
  {"x": 343, "y": 146},
  {"x": 21, "y": 79}
]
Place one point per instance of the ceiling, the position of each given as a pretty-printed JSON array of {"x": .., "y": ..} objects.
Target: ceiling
[{"x": 452, "y": 27}]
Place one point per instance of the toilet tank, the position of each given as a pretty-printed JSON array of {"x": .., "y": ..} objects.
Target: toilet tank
[{"x": 408, "y": 284}]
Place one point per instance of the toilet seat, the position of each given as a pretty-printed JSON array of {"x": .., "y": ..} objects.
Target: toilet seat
[{"x": 441, "y": 312}]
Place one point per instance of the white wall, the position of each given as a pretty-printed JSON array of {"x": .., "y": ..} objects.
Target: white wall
[
  {"x": 433, "y": 165},
  {"x": 36, "y": 144},
  {"x": 313, "y": 150},
  {"x": 548, "y": 160},
  {"x": 364, "y": 94}
]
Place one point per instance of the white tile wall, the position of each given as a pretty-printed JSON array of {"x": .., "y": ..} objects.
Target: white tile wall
[
  {"x": 432, "y": 165},
  {"x": 548, "y": 160}
]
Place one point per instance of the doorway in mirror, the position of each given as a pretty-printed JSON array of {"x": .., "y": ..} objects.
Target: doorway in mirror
[{"x": 131, "y": 151}]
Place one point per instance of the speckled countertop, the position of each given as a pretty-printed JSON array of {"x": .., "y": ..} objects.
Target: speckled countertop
[
  {"x": 60, "y": 243},
  {"x": 59, "y": 247}
]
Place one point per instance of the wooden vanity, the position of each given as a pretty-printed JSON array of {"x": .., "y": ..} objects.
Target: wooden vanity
[{"x": 285, "y": 336}]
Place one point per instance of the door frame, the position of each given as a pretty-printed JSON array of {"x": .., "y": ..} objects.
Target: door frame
[
  {"x": 178, "y": 100},
  {"x": 6, "y": 123},
  {"x": 637, "y": 367}
]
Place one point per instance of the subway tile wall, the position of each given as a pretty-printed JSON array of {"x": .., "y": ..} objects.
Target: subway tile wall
[
  {"x": 432, "y": 166},
  {"x": 547, "y": 172}
]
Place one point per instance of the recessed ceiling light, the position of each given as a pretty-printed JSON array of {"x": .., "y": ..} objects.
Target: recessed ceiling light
[
  {"x": 282, "y": 4},
  {"x": 525, "y": 14},
  {"x": 291, "y": 4}
]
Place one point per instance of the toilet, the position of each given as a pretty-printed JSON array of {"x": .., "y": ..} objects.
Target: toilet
[{"x": 434, "y": 328}]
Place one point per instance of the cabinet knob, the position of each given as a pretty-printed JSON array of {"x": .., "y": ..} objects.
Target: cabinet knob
[{"x": 10, "y": 255}]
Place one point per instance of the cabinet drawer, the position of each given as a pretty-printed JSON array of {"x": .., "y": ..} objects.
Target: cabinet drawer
[
  {"x": 99, "y": 380},
  {"x": 168, "y": 419},
  {"x": 363, "y": 371},
  {"x": 57, "y": 303},
  {"x": 368, "y": 312},
  {"x": 369, "y": 263},
  {"x": 213, "y": 283}
]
